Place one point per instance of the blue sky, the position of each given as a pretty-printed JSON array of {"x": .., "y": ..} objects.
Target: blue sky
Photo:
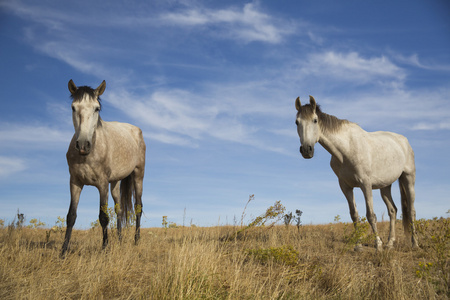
[{"x": 212, "y": 85}]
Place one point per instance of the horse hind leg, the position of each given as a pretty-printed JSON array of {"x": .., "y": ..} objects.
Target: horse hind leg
[
  {"x": 115, "y": 192},
  {"x": 392, "y": 211},
  {"x": 138, "y": 188},
  {"x": 407, "y": 192}
]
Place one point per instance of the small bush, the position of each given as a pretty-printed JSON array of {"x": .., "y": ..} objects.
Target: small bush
[
  {"x": 434, "y": 237},
  {"x": 35, "y": 223},
  {"x": 286, "y": 255},
  {"x": 359, "y": 234}
]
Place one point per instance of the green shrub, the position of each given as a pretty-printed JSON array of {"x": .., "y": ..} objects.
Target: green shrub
[
  {"x": 434, "y": 238},
  {"x": 359, "y": 234},
  {"x": 286, "y": 255}
]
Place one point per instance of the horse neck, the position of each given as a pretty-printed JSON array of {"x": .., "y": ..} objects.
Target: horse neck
[
  {"x": 100, "y": 123},
  {"x": 336, "y": 141},
  {"x": 99, "y": 130}
]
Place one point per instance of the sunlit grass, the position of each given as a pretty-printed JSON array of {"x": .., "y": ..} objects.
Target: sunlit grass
[{"x": 268, "y": 262}]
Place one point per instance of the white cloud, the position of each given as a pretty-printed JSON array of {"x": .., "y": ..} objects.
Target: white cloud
[
  {"x": 352, "y": 67},
  {"x": 72, "y": 52},
  {"x": 38, "y": 136},
  {"x": 444, "y": 125},
  {"x": 168, "y": 138},
  {"x": 247, "y": 24},
  {"x": 392, "y": 109},
  {"x": 414, "y": 60},
  {"x": 10, "y": 165},
  {"x": 171, "y": 111},
  {"x": 182, "y": 118}
]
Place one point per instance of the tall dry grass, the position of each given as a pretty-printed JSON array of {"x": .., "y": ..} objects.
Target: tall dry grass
[{"x": 198, "y": 263}]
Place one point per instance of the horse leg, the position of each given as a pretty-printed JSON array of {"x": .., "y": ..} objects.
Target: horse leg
[
  {"x": 75, "y": 191},
  {"x": 348, "y": 193},
  {"x": 138, "y": 185},
  {"x": 371, "y": 217},
  {"x": 115, "y": 192},
  {"x": 103, "y": 215},
  {"x": 392, "y": 211},
  {"x": 409, "y": 213}
]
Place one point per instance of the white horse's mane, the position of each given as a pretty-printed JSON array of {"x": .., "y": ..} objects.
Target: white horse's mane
[{"x": 328, "y": 123}]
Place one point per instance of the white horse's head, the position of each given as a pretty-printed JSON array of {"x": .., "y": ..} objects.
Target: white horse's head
[
  {"x": 85, "y": 114},
  {"x": 307, "y": 126}
]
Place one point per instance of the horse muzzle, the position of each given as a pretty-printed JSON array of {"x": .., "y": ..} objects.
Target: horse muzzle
[
  {"x": 83, "y": 147},
  {"x": 307, "y": 151}
]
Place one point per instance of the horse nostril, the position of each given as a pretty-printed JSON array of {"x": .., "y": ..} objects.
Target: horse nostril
[
  {"x": 88, "y": 146},
  {"x": 309, "y": 148},
  {"x": 77, "y": 145},
  {"x": 301, "y": 149}
]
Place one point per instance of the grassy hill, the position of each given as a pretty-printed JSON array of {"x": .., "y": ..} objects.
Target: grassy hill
[{"x": 263, "y": 262}]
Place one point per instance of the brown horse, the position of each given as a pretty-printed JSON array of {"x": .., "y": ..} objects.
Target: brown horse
[{"x": 103, "y": 153}]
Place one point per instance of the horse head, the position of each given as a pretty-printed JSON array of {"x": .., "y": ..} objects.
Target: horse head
[
  {"x": 85, "y": 114},
  {"x": 307, "y": 126}
]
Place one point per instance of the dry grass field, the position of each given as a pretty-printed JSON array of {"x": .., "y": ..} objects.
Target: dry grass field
[{"x": 263, "y": 262}]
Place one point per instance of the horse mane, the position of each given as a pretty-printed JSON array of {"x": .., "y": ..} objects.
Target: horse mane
[
  {"x": 81, "y": 91},
  {"x": 328, "y": 123}
]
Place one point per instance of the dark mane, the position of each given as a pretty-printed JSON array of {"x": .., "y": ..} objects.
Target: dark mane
[
  {"x": 328, "y": 123},
  {"x": 78, "y": 95}
]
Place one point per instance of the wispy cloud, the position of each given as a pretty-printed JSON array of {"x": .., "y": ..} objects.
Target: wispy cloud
[
  {"x": 392, "y": 109},
  {"x": 415, "y": 61},
  {"x": 39, "y": 136},
  {"x": 445, "y": 125},
  {"x": 248, "y": 24},
  {"x": 352, "y": 67},
  {"x": 182, "y": 118},
  {"x": 172, "y": 111},
  {"x": 10, "y": 165}
]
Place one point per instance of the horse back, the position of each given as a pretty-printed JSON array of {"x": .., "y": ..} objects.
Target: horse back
[
  {"x": 391, "y": 155},
  {"x": 378, "y": 157},
  {"x": 125, "y": 143}
]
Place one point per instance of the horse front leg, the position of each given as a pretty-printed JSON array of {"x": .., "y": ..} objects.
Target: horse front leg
[
  {"x": 348, "y": 193},
  {"x": 103, "y": 215},
  {"x": 75, "y": 191},
  {"x": 392, "y": 211},
  {"x": 371, "y": 217}
]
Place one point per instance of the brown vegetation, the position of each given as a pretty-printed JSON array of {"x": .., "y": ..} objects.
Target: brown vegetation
[{"x": 280, "y": 262}]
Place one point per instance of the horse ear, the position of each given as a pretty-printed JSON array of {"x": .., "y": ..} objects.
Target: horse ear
[
  {"x": 312, "y": 101},
  {"x": 298, "y": 105},
  {"x": 72, "y": 87},
  {"x": 101, "y": 88}
]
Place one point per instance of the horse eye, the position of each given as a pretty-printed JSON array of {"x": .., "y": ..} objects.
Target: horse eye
[
  {"x": 73, "y": 108},
  {"x": 296, "y": 122},
  {"x": 97, "y": 109},
  {"x": 315, "y": 121}
]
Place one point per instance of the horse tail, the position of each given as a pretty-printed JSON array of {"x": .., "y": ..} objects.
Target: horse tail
[
  {"x": 126, "y": 198},
  {"x": 406, "y": 216}
]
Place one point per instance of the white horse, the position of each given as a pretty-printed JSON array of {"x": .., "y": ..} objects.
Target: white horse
[
  {"x": 102, "y": 154},
  {"x": 368, "y": 160}
]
